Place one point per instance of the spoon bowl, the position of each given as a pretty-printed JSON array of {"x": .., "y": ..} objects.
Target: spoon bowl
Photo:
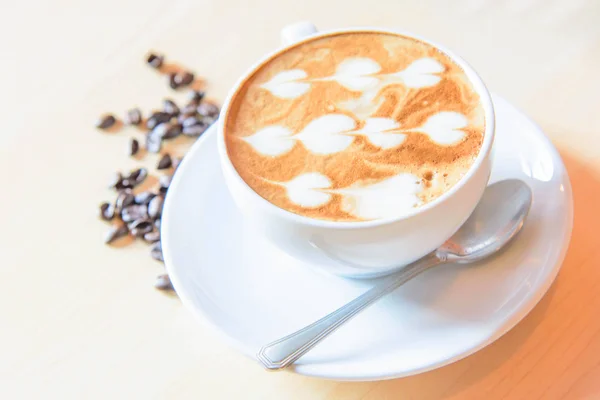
[{"x": 496, "y": 220}]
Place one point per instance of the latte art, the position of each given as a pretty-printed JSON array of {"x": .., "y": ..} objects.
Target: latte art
[
  {"x": 357, "y": 74},
  {"x": 355, "y": 126}
]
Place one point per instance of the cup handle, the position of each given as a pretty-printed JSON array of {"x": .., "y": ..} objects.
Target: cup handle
[{"x": 295, "y": 32}]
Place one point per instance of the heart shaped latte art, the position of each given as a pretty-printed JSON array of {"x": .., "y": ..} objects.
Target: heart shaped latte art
[
  {"x": 271, "y": 141},
  {"x": 327, "y": 134},
  {"x": 355, "y": 74},
  {"x": 445, "y": 127},
  {"x": 421, "y": 73},
  {"x": 304, "y": 191},
  {"x": 285, "y": 84}
]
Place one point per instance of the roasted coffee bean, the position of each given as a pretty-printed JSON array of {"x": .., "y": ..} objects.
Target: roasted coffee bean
[
  {"x": 170, "y": 107},
  {"x": 208, "y": 110},
  {"x": 134, "y": 147},
  {"x": 195, "y": 130},
  {"x": 175, "y": 162},
  {"x": 196, "y": 96},
  {"x": 140, "y": 227},
  {"x": 138, "y": 176},
  {"x": 155, "y": 207},
  {"x": 125, "y": 183},
  {"x": 156, "y": 118},
  {"x": 189, "y": 121},
  {"x": 156, "y": 251},
  {"x": 124, "y": 199},
  {"x": 172, "y": 131},
  {"x": 106, "y": 121},
  {"x": 183, "y": 116},
  {"x": 133, "y": 117},
  {"x": 155, "y": 60},
  {"x": 160, "y": 130},
  {"x": 144, "y": 197},
  {"x": 133, "y": 212},
  {"x": 107, "y": 211},
  {"x": 115, "y": 232},
  {"x": 172, "y": 81},
  {"x": 153, "y": 142},
  {"x": 190, "y": 109},
  {"x": 152, "y": 237},
  {"x": 165, "y": 162},
  {"x": 183, "y": 78},
  {"x": 163, "y": 282},
  {"x": 115, "y": 180}
]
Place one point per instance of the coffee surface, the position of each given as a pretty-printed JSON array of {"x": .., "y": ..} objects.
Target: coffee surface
[{"x": 354, "y": 126}]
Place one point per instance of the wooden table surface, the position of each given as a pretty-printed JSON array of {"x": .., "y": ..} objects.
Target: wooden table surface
[{"x": 80, "y": 320}]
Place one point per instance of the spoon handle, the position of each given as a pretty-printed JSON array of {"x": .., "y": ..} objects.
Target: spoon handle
[{"x": 285, "y": 351}]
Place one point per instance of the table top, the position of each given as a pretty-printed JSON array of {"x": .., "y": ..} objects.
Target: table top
[{"x": 79, "y": 319}]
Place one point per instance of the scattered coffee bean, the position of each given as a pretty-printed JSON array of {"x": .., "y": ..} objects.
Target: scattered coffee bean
[
  {"x": 124, "y": 199},
  {"x": 165, "y": 162},
  {"x": 106, "y": 121},
  {"x": 183, "y": 78},
  {"x": 125, "y": 183},
  {"x": 107, "y": 211},
  {"x": 195, "y": 130},
  {"x": 115, "y": 180},
  {"x": 138, "y": 176},
  {"x": 155, "y": 207},
  {"x": 189, "y": 121},
  {"x": 140, "y": 215},
  {"x": 196, "y": 96},
  {"x": 134, "y": 147},
  {"x": 170, "y": 107},
  {"x": 133, "y": 117},
  {"x": 163, "y": 282},
  {"x": 172, "y": 131},
  {"x": 115, "y": 232},
  {"x": 153, "y": 142},
  {"x": 164, "y": 182},
  {"x": 208, "y": 110},
  {"x": 155, "y": 60},
  {"x": 185, "y": 115},
  {"x": 134, "y": 212},
  {"x": 156, "y": 118},
  {"x": 160, "y": 130},
  {"x": 156, "y": 251},
  {"x": 172, "y": 81},
  {"x": 140, "y": 227},
  {"x": 144, "y": 197},
  {"x": 152, "y": 237}
]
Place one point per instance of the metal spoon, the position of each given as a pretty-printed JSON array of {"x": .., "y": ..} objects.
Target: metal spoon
[{"x": 498, "y": 217}]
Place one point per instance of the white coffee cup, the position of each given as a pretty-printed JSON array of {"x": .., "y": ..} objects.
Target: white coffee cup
[{"x": 369, "y": 248}]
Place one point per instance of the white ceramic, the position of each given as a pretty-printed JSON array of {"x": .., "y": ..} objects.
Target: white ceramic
[
  {"x": 371, "y": 248},
  {"x": 253, "y": 293}
]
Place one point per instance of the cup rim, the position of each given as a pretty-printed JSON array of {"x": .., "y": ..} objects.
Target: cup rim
[{"x": 484, "y": 152}]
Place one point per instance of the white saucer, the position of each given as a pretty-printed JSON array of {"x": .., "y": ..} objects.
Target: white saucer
[{"x": 253, "y": 293}]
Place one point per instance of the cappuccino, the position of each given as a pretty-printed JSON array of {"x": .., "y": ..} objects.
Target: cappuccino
[{"x": 354, "y": 126}]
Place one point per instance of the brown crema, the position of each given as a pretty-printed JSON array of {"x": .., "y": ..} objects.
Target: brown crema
[{"x": 437, "y": 166}]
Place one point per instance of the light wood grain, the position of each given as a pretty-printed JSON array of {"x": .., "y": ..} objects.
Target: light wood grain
[{"x": 79, "y": 320}]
